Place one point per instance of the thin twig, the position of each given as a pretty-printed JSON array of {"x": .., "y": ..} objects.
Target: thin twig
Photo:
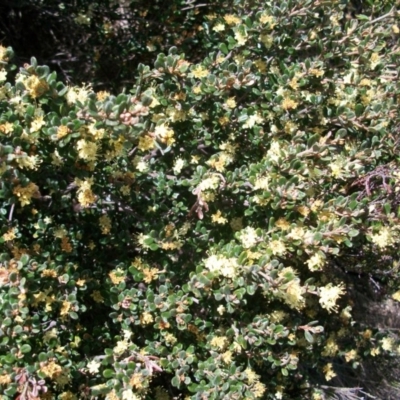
[
  {"x": 389, "y": 14},
  {"x": 11, "y": 212}
]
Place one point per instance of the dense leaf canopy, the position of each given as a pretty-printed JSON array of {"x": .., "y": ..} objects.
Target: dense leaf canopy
[{"x": 225, "y": 227}]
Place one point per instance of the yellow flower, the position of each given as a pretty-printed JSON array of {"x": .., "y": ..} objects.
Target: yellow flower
[
  {"x": 241, "y": 37},
  {"x": 80, "y": 94},
  {"x": 258, "y": 389},
  {"x": 178, "y": 165},
  {"x": 51, "y": 369},
  {"x": 35, "y": 86},
  {"x": 3, "y": 51},
  {"x": 249, "y": 237},
  {"x": 220, "y": 342},
  {"x": 26, "y": 193},
  {"x": 121, "y": 347},
  {"x": 165, "y": 134},
  {"x": 331, "y": 347},
  {"x": 29, "y": 162},
  {"x": 262, "y": 183},
  {"x": 87, "y": 150},
  {"x": 253, "y": 120},
  {"x": 251, "y": 376},
  {"x": 316, "y": 72},
  {"x": 288, "y": 103},
  {"x": 37, "y": 124},
  {"x": 261, "y": 65},
  {"x": 395, "y": 29},
  {"x": 6, "y": 128},
  {"x": 66, "y": 306},
  {"x": 9, "y": 235},
  {"x": 137, "y": 380},
  {"x": 227, "y": 357},
  {"x": 117, "y": 276},
  {"x": 146, "y": 143},
  {"x": 277, "y": 247},
  {"x": 267, "y": 40},
  {"x": 170, "y": 338},
  {"x": 297, "y": 233},
  {"x": 375, "y": 351},
  {"x": 86, "y": 197},
  {"x": 350, "y": 355},
  {"x": 329, "y": 294},
  {"x": 396, "y": 296},
  {"x": 146, "y": 318},
  {"x": 196, "y": 90},
  {"x": 66, "y": 245},
  {"x": 328, "y": 371},
  {"x": 97, "y": 297},
  {"x": 303, "y": 210},
  {"x": 267, "y": 19},
  {"x": 223, "y": 120},
  {"x": 387, "y": 343},
  {"x": 105, "y": 224},
  {"x": 294, "y": 295},
  {"x": 199, "y": 72},
  {"x": 102, "y": 95},
  {"x": 374, "y": 60},
  {"x": 231, "y": 19},
  {"x": 49, "y": 273},
  {"x": 218, "y": 218},
  {"x": 231, "y": 103},
  {"x": 93, "y": 366},
  {"x": 219, "y": 27},
  {"x": 62, "y": 131},
  {"x": 149, "y": 274},
  {"x": 384, "y": 238},
  {"x": 67, "y": 396},
  {"x": 315, "y": 262},
  {"x": 125, "y": 190},
  {"x": 221, "y": 265},
  {"x": 283, "y": 224}
]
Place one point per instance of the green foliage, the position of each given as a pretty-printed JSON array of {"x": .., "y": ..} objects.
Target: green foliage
[{"x": 199, "y": 236}]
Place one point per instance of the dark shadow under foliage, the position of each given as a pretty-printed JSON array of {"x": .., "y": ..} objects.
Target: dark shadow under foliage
[{"x": 102, "y": 42}]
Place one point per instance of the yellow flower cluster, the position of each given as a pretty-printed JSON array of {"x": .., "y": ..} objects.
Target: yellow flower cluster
[
  {"x": 36, "y": 87},
  {"x": 87, "y": 150},
  {"x": 3, "y": 56},
  {"x": 25, "y": 194},
  {"x": 249, "y": 237},
  {"x": 218, "y": 218},
  {"x": 85, "y": 194},
  {"x": 9, "y": 235},
  {"x": 220, "y": 342},
  {"x": 80, "y": 94},
  {"x": 329, "y": 372},
  {"x": 232, "y": 19},
  {"x": 383, "y": 238},
  {"x": 146, "y": 142},
  {"x": 329, "y": 294},
  {"x": 165, "y": 134},
  {"x": 117, "y": 276},
  {"x": 221, "y": 265},
  {"x": 199, "y": 72},
  {"x": 51, "y": 369},
  {"x": 105, "y": 224}
]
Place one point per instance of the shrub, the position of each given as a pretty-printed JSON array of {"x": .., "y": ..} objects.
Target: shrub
[{"x": 205, "y": 235}]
